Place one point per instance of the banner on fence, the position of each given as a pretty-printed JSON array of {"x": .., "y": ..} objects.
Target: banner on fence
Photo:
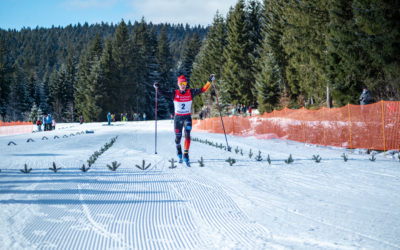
[
  {"x": 374, "y": 126},
  {"x": 14, "y": 128}
]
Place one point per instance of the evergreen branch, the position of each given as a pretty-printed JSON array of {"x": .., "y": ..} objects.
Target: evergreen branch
[
  {"x": 26, "y": 170},
  {"x": 54, "y": 168}
]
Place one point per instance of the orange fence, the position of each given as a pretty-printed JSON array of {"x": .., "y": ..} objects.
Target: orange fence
[
  {"x": 13, "y": 128},
  {"x": 374, "y": 126}
]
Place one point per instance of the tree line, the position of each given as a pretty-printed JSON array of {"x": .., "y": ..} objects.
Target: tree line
[
  {"x": 91, "y": 70},
  {"x": 313, "y": 53},
  {"x": 269, "y": 55}
]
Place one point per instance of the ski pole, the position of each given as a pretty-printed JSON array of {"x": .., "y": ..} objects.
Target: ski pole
[
  {"x": 222, "y": 121},
  {"x": 155, "y": 143}
]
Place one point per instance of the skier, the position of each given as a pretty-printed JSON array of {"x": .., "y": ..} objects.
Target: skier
[{"x": 182, "y": 98}]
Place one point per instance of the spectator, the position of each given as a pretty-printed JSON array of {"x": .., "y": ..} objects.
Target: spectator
[
  {"x": 49, "y": 122},
  {"x": 53, "y": 125},
  {"x": 39, "y": 124},
  {"x": 144, "y": 116},
  {"x": 365, "y": 97},
  {"x": 250, "y": 110},
  {"x": 45, "y": 122},
  {"x": 81, "y": 119},
  {"x": 109, "y": 118}
]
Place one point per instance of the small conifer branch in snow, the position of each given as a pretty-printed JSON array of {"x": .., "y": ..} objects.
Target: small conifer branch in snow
[
  {"x": 201, "y": 162},
  {"x": 259, "y": 157},
  {"x": 250, "y": 154},
  {"x": 26, "y": 170},
  {"x": 317, "y": 158},
  {"x": 54, "y": 168},
  {"x": 231, "y": 161},
  {"x": 344, "y": 156},
  {"x": 269, "y": 160},
  {"x": 289, "y": 160},
  {"x": 114, "y": 165},
  {"x": 172, "y": 163},
  {"x": 373, "y": 158},
  {"x": 84, "y": 168},
  {"x": 143, "y": 167}
]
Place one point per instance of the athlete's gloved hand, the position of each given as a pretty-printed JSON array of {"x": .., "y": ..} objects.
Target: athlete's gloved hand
[
  {"x": 211, "y": 78},
  {"x": 155, "y": 85}
]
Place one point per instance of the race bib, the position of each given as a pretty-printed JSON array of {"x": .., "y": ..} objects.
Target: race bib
[{"x": 183, "y": 103}]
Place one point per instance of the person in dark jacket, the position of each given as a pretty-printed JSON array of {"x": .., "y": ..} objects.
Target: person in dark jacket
[
  {"x": 182, "y": 99},
  {"x": 365, "y": 97}
]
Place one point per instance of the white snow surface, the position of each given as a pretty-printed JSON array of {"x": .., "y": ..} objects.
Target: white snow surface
[{"x": 250, "y": 205}]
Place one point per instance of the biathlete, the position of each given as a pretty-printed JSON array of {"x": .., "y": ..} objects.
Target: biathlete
[{"x": 182, "y": 98}]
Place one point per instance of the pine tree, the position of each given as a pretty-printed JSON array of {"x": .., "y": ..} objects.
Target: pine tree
[
  {"x": 124, "y": 55},
  {"x": 379, "y": 26},
  {"x": 5, "y": 78},
  {"x": 271, "y": 78},
  {"x": 165, "y": 64},
  {"x": 70, "y": 80},
  {"x": 237, "y": 75},
  {"x": 57, "y": 91},
  {"x": 45, "y": 94},
  {"x": 254, "y": 24},
  {"x": 347, "y": 62},
  {"x": 304, "y": 40},
  {"x": 110, "y": 100},
  {"x": 191, "y": 48},
  {"x": 88, "y": 88},
  {"x": 209, "y": 61},
  {"x": 145, "y": 58},
  {"x": 17, "y": 99}
]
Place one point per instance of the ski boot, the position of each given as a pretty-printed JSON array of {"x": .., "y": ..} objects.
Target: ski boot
[
  {"x": 186, "y": 159},
  {"x": 180, "y": 158}
]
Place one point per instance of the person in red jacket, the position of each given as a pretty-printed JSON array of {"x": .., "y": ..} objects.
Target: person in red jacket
[{"x": 182, "y": 98}]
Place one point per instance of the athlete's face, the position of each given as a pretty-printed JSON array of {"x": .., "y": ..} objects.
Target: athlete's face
[{"x": 182, "y": 86}]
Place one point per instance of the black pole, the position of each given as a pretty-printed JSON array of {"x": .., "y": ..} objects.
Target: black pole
[
  {"x": 222, "y": 121},
  {"x": 155, "y": 144}
]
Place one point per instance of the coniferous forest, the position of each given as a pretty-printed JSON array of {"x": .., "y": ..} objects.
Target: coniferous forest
[{"x": 268, "y": 55}]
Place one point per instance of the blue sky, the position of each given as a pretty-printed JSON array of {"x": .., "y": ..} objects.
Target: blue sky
[{"x": 15, "y": 14}]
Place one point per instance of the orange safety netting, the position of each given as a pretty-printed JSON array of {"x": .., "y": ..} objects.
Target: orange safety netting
[
  {"x": 13, "y": 128},
  {"x": 374, "y": 126}
]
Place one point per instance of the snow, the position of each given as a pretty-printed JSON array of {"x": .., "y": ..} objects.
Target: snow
[{"x": 250, "y": 205}]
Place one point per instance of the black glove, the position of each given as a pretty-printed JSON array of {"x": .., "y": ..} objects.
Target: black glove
[
  {"x": 155, "y": 85},
  {"x": 211, "y": 78}
]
